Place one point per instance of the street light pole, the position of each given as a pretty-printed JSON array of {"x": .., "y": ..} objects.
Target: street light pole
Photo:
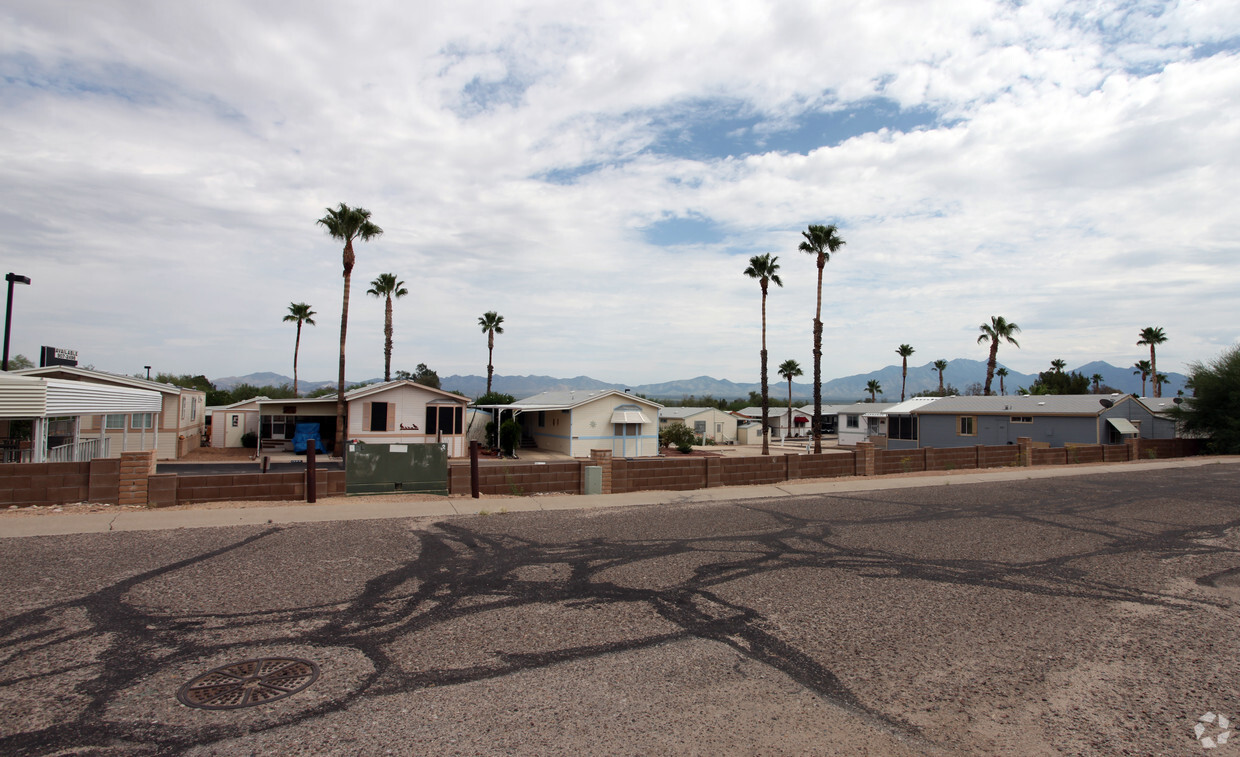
[{"x": 12, "y": 278}]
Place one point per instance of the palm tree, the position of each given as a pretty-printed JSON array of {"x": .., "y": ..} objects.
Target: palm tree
[
  {"x": 492, "y": 324},
  {"x": 1002, "y": 373},
  {"x": 346, "y": 224},
  {"x": 873, "y": 387},
  {"x": 1058, "y": 365},
  {"x": 765, "y": 270},
  {"x": 1153, "y": 335},
  {"x": 790, "y": 369},
  {"x": 998, "y": 328},
  {"x": 820, "y": 241},
  {"x": 386, "y": 286},
  {"x": 940, "y": 366},
  {"x": 904, "y": 351},
  {"x": 1142, "y": 367},
  {"x": 301, "y": 313},
  {"x": 1097, "y": 379}
]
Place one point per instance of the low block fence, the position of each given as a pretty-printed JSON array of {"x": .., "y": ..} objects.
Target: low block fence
[{"x": 132, "y": 480}]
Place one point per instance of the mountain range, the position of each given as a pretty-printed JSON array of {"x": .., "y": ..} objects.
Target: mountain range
[{"x": 960, "y": 373}]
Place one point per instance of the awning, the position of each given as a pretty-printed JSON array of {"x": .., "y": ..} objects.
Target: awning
[
  {"x": 1123, "y": 426},
  {"x": 628, "y": 416}
]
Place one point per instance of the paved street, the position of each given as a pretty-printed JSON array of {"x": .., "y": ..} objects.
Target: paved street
[{"x": 1088, "y": 615}]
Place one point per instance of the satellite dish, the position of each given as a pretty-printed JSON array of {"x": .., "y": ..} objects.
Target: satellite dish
[{"x": 1105, "y": 402}]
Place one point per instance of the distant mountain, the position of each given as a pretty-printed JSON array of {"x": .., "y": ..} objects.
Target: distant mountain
[{"x": 960, "y": 373}]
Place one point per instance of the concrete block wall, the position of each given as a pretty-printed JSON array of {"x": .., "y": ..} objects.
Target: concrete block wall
[
  {"x": 827, "y": 465},
  {"x": 891, "y": 461},
  {"x": 752, "y": 471},
  {"x": 136, "y": 468},
  {"x": 519, "y": 478},
  {"x": 954, "y": 458},
  {"x": 1050, "y": 456},
  {"x": 660, "y": 474},
  {"x": 998, "y": 456},
  {"x": 25, "y": 484}
]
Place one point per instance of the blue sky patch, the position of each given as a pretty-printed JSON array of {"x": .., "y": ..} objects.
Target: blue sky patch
[{"x": 678, "y": 230}]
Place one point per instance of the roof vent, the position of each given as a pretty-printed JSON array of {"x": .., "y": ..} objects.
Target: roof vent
[{"x": 1041, "y": 403}]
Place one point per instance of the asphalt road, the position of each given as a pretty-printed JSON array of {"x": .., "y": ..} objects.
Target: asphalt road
[{"x": 1093, "y": 615}]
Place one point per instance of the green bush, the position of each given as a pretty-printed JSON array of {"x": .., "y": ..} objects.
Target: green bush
[
  {"x": 249, "y": 439},
  {"x": 678, "y": 435},
  {"x": 509, "y": 435}
]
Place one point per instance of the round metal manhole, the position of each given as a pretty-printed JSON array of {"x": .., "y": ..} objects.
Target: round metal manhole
[{"x": 248, "y": 683}]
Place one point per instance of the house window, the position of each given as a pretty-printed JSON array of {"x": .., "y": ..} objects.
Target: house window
[
  {"x": 378, "y": 416},
  {"x": 1022, "y": 419},
  {"x": 193, "y": 408},
  {"x": 444, "y": 419},
  {"x": 718, "y": 428},
  {"x": 143, "y": 420},
  {"x": 114, "y": 421},
  {"x": 184, "y": 406},
  {"x": 966, "y": 425},
  {"x": 236, "y": 421},
  {"x": 542, "y": 418},
  {"x": 853, "y": 421},
  {"x": 699, "y": 427},
  {"x": 902, "y": 427}
]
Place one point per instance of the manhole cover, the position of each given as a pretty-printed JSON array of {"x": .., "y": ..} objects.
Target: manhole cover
[{"x": 247, "y": 683}]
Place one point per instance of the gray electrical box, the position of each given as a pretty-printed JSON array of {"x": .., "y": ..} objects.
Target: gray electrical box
[
  {"x": 393, "y": 468},
  {"x": 594, "y": 479}
]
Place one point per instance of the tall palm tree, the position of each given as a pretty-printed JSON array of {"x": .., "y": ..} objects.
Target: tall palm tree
[
  {"x": 386, "y": 286},
  {"x": 820, "y": 241},
  {"x": 873, "y": 387},
  {"x": 940, "y": 366},
  {"x": 765, "y": 270},
  {"x": 492, "y": 324},
  {"x": 789, "y": 369},
  {"x": 1002, "y": 373},
  {"x": 1058, "y": 365},
  {"x": 301, "y": 313},
  {"x": 904, "y": 351},
  {"x": 1144, "y": 368},
  {"x": 346, "y": 224},
  {"x": 1097, "y": 379},
  {"x": 1153, "y": 335},
  {"x": 998, "y": 329}
]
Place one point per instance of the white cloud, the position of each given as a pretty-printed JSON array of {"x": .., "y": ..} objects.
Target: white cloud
[{"x": 161, "y": 168}]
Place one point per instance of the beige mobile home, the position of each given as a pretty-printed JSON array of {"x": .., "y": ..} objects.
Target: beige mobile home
[{"x": 575, "y": 422}]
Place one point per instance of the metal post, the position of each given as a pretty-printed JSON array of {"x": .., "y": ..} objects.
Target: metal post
[
  {"x": 12, "y": 278},
  {"x": 473, "y": 469},
  {"x": 311, "y": 471}
]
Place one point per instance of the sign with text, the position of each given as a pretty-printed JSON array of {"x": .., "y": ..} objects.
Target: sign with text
[{"x": 57, "y": 356}]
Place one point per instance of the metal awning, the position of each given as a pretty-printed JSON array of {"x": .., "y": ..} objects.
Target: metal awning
[
  {"x": 628, "y": 416},
  {"x": 1123, "y": 426}
]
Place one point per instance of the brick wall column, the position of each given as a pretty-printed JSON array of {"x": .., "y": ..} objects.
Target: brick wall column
[
  {"x": 136, "y": 467},
  {"x": 1026, "y": 450},
  {"x": 793, "y": 469},
  {"x": 602, "y": 458},
  {"x": 104, "y": 481},
  {"x": 865, "y": 459},
  {"x": 1134, "y": 447}
]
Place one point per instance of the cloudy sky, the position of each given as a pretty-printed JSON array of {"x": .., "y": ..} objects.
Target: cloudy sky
[{"x": 600, "y": 174}]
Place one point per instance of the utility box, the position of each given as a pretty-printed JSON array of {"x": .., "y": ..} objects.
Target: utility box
[
  {"x": 593, "y": 479},
  {"x": 395, "y": 468}
]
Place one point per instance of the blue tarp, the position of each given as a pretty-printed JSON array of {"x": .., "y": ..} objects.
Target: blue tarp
[{"x": 304, "y": 433}]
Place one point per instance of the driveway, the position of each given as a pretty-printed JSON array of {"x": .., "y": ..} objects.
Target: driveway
[{"x": 1092, "y": 615}]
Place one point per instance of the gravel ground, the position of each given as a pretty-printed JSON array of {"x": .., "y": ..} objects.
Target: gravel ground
[{"x": 1093, "y": 615}]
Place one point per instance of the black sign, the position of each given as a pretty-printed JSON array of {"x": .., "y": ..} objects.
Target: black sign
[{"x": 56, "y": 356}]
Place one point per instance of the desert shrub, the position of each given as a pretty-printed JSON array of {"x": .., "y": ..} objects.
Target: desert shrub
[{"x": 678, "y": 435}]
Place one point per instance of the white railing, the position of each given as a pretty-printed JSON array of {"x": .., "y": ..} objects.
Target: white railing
[
  {"x": 15, "y": 455},
  {"x": 79, "y": 452}
]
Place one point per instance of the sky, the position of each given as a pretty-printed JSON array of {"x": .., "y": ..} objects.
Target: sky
[{"x": 600, "y": 174}]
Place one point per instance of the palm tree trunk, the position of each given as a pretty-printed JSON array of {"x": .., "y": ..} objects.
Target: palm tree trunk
[
  {"x": 990, "y": 364},
  {"x": 387, "y": 339},
  {"x": 818, "y": 362},
  {"x": 490, "y": 359},
  {"x": 765, "y": 402},
  {"x": 789, "y": 405},
  {"x": 344, "y": 329},
  {"x": 1154, "y": 372},
  {"x": 940, "y": 382},
  {"x": 296, "y": 349},
  {"x": 903, "y": 378}
]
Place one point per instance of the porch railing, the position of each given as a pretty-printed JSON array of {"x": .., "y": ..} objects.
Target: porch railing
[{"x": 78, "y": 452}]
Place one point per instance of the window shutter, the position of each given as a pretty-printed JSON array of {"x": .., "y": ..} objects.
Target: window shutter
[
  {"x": 391, "y": 419},
  {"x": 366, "y": 416}
]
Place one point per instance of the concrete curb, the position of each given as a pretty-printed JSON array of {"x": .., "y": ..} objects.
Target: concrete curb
[{"x": 338, "y": 509}]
